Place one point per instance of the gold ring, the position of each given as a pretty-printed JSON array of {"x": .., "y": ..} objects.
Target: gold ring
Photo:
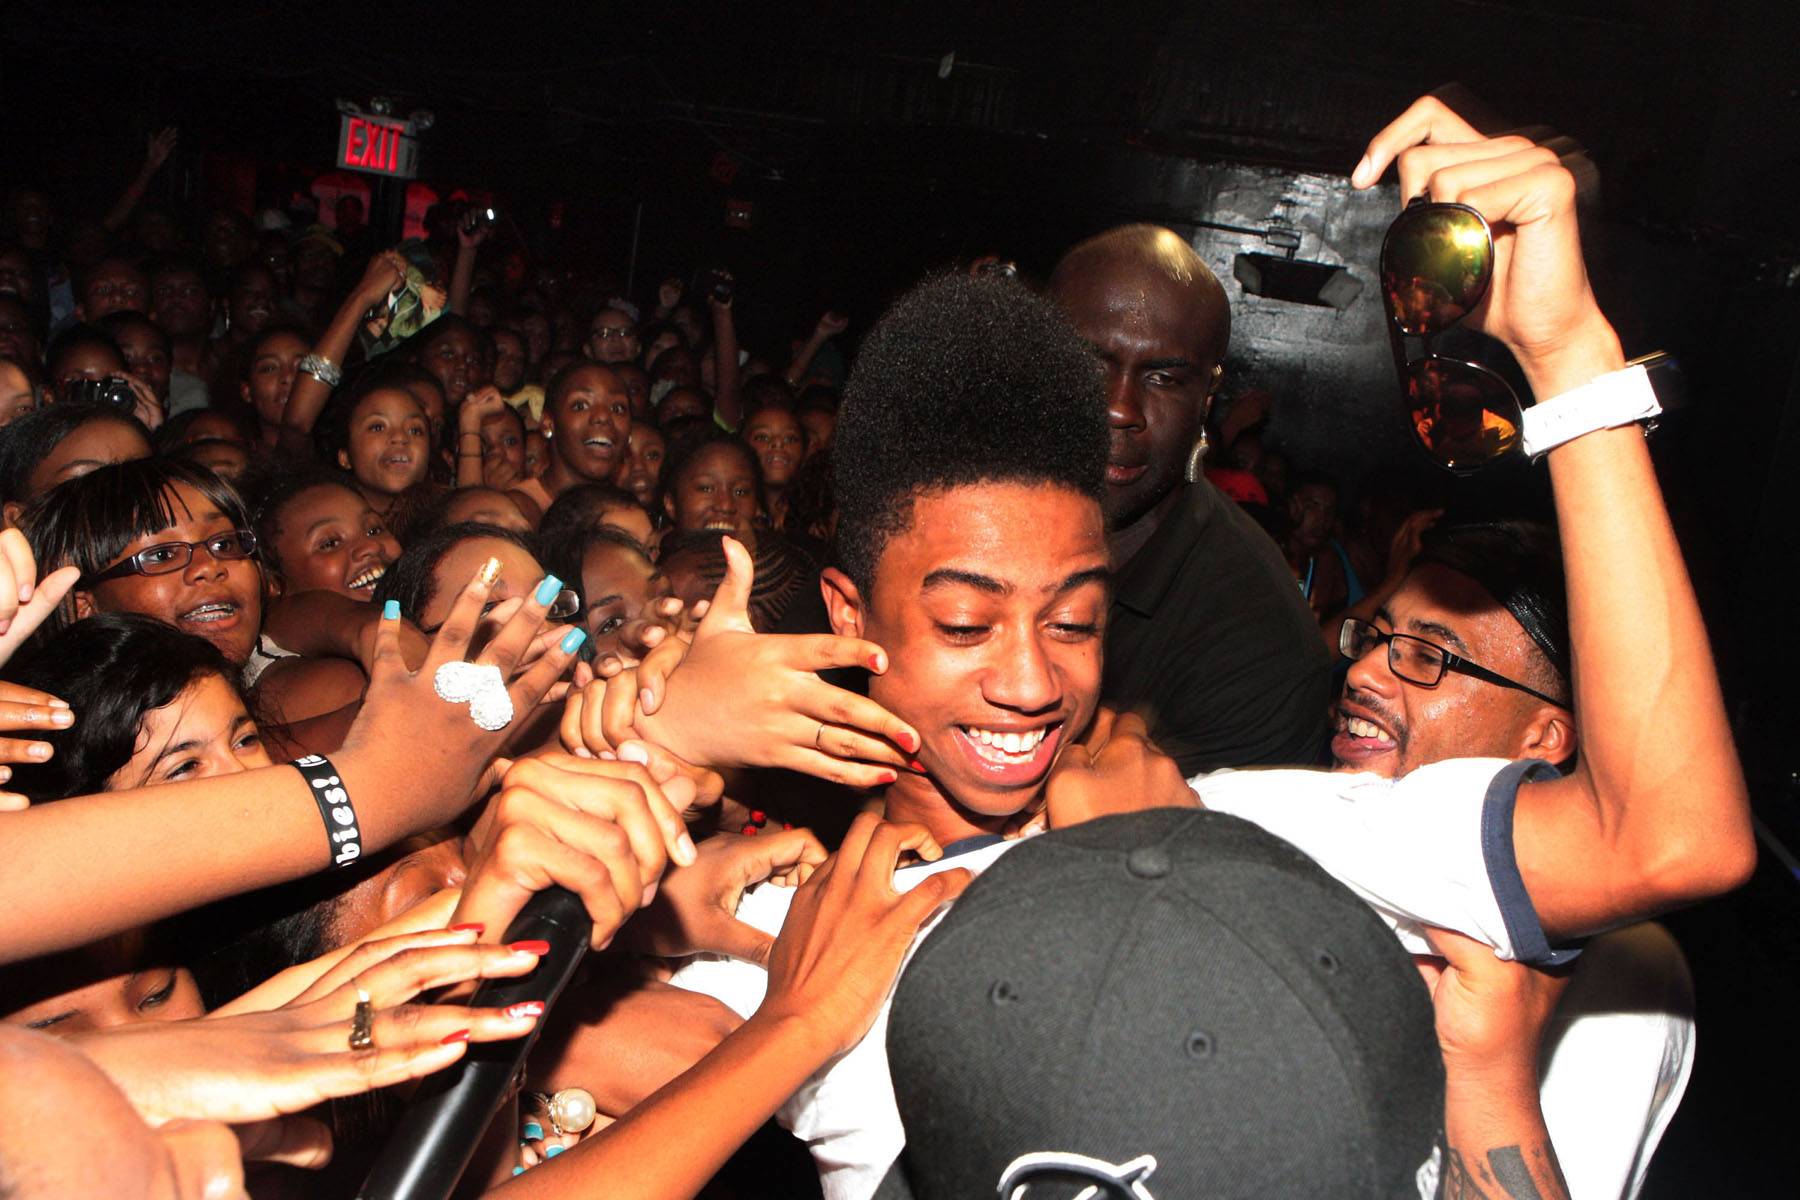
[
  {"x": 819, "y": 739},
  {"x": 362, "y": 1021}
]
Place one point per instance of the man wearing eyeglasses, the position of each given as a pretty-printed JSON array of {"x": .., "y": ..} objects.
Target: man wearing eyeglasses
[{"x": 1460, "y": 798}]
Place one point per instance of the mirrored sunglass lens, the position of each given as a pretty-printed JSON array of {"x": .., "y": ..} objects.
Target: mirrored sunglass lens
[
  {"x": 1462, "y": 415},
  {"x": 1435, "y": 267}
]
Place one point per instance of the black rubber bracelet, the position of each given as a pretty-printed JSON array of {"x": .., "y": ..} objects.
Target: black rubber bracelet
[{"x": 335, "y": 809}]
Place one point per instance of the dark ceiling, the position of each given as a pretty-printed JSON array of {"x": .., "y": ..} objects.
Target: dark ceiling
[{"x": 1690, "y": 106}]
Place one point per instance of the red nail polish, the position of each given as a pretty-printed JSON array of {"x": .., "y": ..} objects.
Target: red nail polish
[
  {"x": 916, "y": 765},
  {"x": 875, "y": 662},
  {"x": 889, "y": 776},
  {"x": 477, "y": 926},
  {"x": 748, "y": 831},
  {"x": 758, "y": 817},
  {"x": 528, "y": 1008},
  {"x": 535, "y": 946},
  {"x": 461, "y": 1035}
]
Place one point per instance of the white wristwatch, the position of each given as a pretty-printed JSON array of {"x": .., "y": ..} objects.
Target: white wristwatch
[{"x": 1622, "y": 397}]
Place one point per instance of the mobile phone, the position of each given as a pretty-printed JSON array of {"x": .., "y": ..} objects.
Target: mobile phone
[{"x": 477, "y": 217}]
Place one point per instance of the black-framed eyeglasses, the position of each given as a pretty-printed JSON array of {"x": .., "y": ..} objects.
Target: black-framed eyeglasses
[
  {"x": 564, "y": 609},
  {"x": 166, "y": 558},
  {"x": 609, "y": 333},
  {"x": 1418, "y": 661}
]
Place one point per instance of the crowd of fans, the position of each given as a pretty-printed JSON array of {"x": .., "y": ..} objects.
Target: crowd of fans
[{"x": 518, "y": 581}]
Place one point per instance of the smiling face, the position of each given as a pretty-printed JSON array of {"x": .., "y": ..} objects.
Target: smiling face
[
  {"x": 715, "y": 490},
  {"x": 587, "y": 422},
  {"x": 779, "y": 442},
  {"x": 217, "y": 599},
  {"x": 329, "y": 539},
  {"x": 1160, "y": 343},
  {"x": 991, "y": 606},
  {"x": 1391, "y": 726},
  {"x": 389, "y": 442}
]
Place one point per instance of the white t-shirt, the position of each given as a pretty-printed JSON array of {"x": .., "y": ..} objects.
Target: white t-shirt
[
  {"x": 1431, "y": 848},
  {"x": 1616, "y": 1059}
]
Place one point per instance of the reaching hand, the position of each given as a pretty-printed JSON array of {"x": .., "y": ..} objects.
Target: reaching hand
[
  {"x": 831, "y": 325},
  {"x": 696, "y": 909},
  {"x": 25, "y": 600},
  {"x": 26, "y": 710},
  {"x": 1539, "y": 300},
  {"x": 262, "y": 1065},
  {"x": 604, "y": 830},
  {"x": 1113, "y": 769},
  {"x": 146, "y": 407},
  {"x": 159, "y": 145},
  {"x": 385, "y": 275},
  {"x": 848, "y": 931},
  {"x": 1491, "y": 1013},
  {"x": 744, "y": 699},
  {"x": 405, "y": 725}
]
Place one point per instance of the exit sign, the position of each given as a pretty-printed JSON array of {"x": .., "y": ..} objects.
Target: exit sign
[{"x": 378, "y": 146}]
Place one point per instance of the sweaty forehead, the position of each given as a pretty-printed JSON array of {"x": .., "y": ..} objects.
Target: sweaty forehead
[{"x": 1436, "y": 601}]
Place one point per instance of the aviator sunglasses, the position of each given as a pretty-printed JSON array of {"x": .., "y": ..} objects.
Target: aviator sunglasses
[{"x": 1436, "y": 264}]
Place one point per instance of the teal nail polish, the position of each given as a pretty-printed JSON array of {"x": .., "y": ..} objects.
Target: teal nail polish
[
  {"x": 547, "y": 590},
  {"x": 518, "y": 1170},
  {"x": 572, "y": 640},
  {"x": 390, "y": 611},
  {"x": 534, "y": 1132},
  {"x": 553, "y": 1151}
]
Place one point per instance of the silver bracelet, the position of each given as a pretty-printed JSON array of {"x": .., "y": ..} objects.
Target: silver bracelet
[{"x": 322, "y": 369}]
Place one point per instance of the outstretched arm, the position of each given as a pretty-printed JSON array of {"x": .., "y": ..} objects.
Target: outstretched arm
[
  {"x": 385, "y": 273},
  {"x": 1657, "y": 813},
  {"x": 829, "y": 972},
  {"x": 157, "y": 149}
]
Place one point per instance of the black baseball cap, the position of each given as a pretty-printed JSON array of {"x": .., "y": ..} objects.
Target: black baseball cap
[{"x": 1165, "y": 1004}]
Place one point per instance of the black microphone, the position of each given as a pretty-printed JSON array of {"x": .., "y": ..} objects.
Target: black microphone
[{"x": 426, "y": 1156}]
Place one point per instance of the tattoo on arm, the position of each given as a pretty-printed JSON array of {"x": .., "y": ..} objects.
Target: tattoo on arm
[{"x": 1506, "y": 1175}]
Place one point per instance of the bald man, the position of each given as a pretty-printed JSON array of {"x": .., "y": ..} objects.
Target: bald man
[{"x": 1208, "y": 636}]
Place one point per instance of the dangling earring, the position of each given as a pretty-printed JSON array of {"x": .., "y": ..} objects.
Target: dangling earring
[{"x": 1196, "y": 458}]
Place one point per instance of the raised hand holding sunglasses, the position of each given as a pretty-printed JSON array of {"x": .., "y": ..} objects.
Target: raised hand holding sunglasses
[{"x": 1497, "y": 250}]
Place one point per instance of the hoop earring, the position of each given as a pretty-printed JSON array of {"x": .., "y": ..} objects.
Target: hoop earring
[{"x": 1196, "y": 458}]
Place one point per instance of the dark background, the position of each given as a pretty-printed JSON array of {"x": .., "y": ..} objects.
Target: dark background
[{"x": 867, "y": 163}]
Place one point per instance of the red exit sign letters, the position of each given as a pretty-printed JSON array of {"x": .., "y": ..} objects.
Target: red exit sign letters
[{"x": 379, "y": 147}]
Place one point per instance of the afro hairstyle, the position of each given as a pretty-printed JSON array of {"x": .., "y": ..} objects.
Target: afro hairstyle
[{"x": 965, "y": 380}]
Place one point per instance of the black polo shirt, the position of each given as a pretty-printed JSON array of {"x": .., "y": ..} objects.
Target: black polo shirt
[{"x": 1210, "y": 639}]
